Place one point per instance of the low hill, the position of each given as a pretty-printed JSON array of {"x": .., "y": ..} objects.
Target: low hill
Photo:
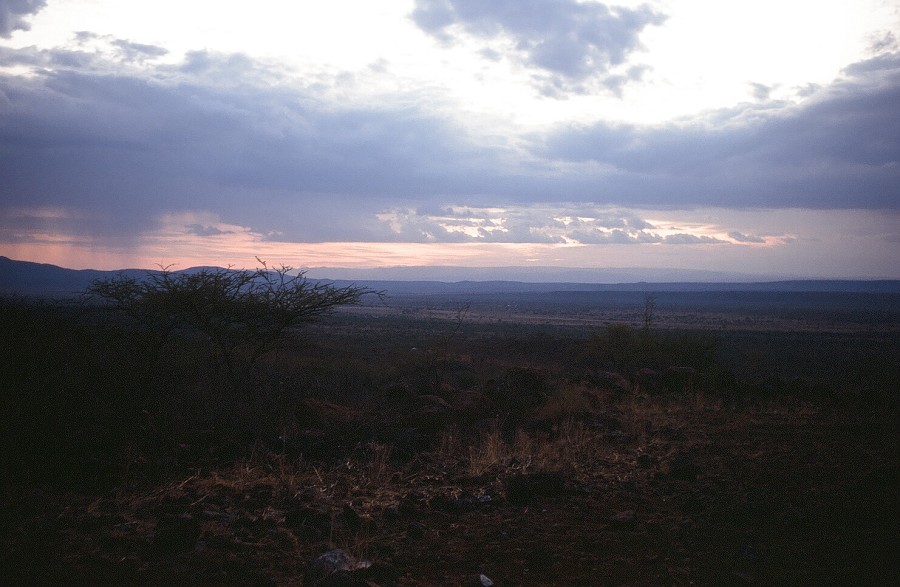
[{"x": 23, "y": 278}]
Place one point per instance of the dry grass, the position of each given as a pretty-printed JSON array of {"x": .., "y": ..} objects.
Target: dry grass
[{"x": 490, "y": 453}]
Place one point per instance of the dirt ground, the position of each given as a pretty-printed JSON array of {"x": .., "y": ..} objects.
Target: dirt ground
[
  {"x": 643, "y": 494},
  {"x": 598, "y": 484}
]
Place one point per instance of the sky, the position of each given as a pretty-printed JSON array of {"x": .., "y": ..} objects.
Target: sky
[{"x": 760, "y": 138}]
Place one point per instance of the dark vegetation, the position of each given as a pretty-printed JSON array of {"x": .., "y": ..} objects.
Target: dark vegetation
[{"x": 199, "y": 430}]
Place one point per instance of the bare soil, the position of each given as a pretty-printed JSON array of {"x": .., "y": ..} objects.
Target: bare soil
[
  {"x": 662, "y": 494},
  {"x": 594, "y": 485}
]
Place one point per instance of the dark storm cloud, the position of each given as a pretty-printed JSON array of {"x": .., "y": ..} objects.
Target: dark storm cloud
[
  {"x": 840, "y": 149},
  {"x": 569, "y": 42},
  {"x": 14, "y": 13},
  {"x": 127, "y": 148},
  {"x": 220, "y": 134}
]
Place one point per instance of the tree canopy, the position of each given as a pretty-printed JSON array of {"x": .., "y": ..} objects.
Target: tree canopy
[{"x": 238, "y": 310}]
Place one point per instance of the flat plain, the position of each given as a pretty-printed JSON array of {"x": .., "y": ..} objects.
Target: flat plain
[{"x": 556, "y": 438}]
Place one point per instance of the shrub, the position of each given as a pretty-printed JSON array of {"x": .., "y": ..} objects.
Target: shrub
[
  {"x": 621, "y": 349},
  {"x": 241, "y": 313}
]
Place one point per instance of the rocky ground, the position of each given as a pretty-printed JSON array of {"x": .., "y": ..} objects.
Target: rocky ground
[{"x": 634, "y": 492}]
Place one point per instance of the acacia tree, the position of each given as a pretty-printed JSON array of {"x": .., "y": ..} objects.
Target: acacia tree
[{"x": 242, "y": 313}]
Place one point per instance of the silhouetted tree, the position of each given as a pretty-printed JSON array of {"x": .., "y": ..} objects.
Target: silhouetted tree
[
  {"x": 649, "y": 314},
  {"x": 244, "y": 313}
]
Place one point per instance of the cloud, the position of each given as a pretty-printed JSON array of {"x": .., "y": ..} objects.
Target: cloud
[
  {"x": 94, "y": 53},
  {"x": 691, "y": 239},
  {"x": 120, "y": 141},
  {"x": 132, "y": 51},
  {"x": 13, "y": 14},
  {"x": 761, "y": 92},
  {"x": 886, "y": 41},
  {"x": 210, "y": 133},
  {"x": 568, "y": 44},
  {"x": 840, "y": 148},
  {"x": 548, "y": 223},
  {"x": 206, "y": 230},
  {"x": 746, "y": 238}
]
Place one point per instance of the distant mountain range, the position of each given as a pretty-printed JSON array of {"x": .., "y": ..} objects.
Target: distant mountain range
[
  {"x": 533, "y": 274},
  {"x": 24, "y": 278}
]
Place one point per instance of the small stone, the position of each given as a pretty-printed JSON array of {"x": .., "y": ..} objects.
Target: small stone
[
  {"x": 326, "y": 565},
  {"x": 479, "y": 581}
]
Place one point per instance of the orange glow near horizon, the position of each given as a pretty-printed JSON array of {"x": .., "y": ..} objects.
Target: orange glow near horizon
[
  {"x": 181, "y": 254},
  {"x": 186, "y": 240}
]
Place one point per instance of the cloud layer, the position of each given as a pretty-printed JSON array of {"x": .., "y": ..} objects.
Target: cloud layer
[
  {"x": 127, "y": 144},
  {"x": 839, "y": 149},
  {"x": 112, "y": 138},
  {"x": 14, "y": 13},
  {"x": 568, "y": 44}
]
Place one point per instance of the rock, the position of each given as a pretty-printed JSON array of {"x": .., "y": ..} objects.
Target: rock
[
  {"x": 325, "y": 565},
  {"x": 337, "y": 568},
  {"x": 479, "y": 581},
  {"x": 334, "y": 569}
]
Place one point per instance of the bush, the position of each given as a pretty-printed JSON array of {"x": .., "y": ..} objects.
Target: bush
[
  {"x": 240, "y": 313},
  {"x": 621, "y": 349}
]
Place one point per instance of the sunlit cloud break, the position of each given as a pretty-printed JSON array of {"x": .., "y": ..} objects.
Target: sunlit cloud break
[{"x": 573, "y": 224}]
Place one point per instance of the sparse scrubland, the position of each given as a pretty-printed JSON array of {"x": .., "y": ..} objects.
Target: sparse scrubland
[{"x": 434, "y": 449}]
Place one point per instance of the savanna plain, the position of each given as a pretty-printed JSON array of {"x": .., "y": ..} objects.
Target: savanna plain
[{"x": 540, "y": 439}]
